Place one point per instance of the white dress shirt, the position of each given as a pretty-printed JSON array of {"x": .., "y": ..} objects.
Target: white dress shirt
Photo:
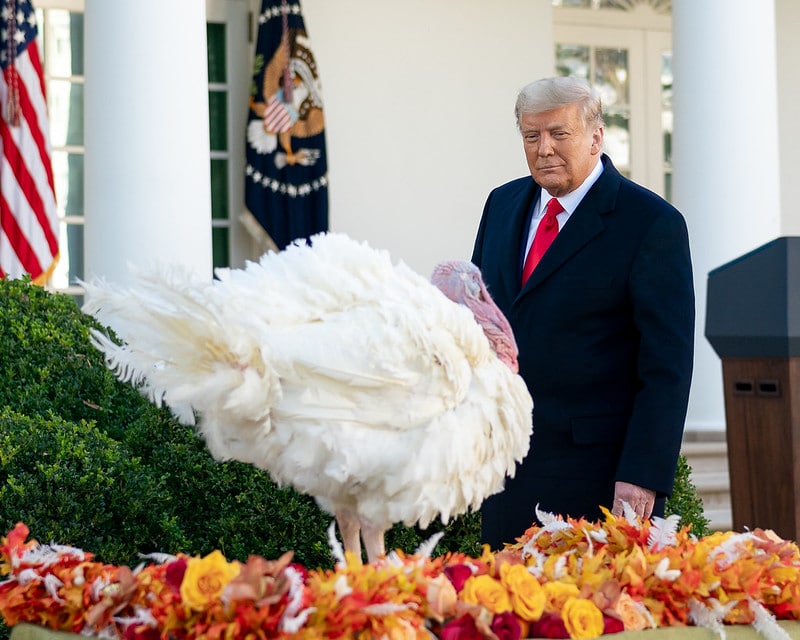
[{"x": 570, "y": 202}]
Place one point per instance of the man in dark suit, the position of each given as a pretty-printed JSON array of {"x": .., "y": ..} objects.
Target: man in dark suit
[{"x": 604, "y": 323}]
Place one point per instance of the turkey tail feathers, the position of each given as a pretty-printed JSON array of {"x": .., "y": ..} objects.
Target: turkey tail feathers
[{"x": 182, "y": 350}]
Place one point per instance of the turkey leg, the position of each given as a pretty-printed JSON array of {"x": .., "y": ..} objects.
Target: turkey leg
[
  {"x": 349, "y": 528},
  {"x": 374, "y": 540}
]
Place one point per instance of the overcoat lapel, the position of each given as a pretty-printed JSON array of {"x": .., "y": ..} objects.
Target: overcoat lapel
[{"x": 518, "y": 221}]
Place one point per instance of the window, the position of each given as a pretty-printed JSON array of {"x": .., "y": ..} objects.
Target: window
[
  {"x": 218, "y": 92},
  {"x": 230, "y": 63},
  {"x": 61, "y": 43}
]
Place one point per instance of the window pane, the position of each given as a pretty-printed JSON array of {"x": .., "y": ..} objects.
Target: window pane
[
  {"x": 63, "y": 36},
  {"x": 611, "y": 80},
  {"x": 218, "y": 116},
  {"x": 75, "y": 252},
  {"x": 219, "y": 247},
  {"x": 70, "y": 263},
  {"x": 216, "y": 52},
  {"x": 68, "y": 177},
  {"x": 617, "y": 138},
  {"x": 219, "y": 189},
  {"x": 611, "y": 75},
  {"x": 666, "y": 106},
  {"x": 572, "y": 60},
  {"x": 76, "y": 42},
  {"x": 65, "y": 105}
]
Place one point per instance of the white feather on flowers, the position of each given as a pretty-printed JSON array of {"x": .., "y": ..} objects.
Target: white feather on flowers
[{"x": 662, "y": 532}]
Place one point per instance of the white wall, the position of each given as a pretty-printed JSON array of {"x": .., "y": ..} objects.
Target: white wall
[{"x": 419, "y": 103}]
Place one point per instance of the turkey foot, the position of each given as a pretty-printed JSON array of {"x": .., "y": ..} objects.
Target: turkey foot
[{"x": 352, "y": 529}]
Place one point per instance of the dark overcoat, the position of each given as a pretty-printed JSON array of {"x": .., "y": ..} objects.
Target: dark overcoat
[{"x": 605, "y": 329}]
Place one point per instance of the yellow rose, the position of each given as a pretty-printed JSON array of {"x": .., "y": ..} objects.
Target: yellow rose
[
  {"x": 486, "y": 591},
  {"x": 631, "y": 614},
  {"x": 205, "y": 578},
  {"x": 527, "y": 595},
  {"x": 556, "y": 594},
  {"x": 582, "y": 619}
]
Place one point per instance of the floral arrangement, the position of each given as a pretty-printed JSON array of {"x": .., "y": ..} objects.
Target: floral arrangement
[{"x": 565, "y": 579}]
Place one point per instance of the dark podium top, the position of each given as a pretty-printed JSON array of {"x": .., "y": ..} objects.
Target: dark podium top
[{"x": 753, "y": 303}]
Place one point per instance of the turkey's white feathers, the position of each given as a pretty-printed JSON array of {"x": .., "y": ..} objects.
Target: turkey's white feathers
[{"x": 346, "y": 376}]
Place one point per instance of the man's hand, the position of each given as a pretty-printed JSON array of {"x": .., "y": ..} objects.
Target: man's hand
[{"x": 640, "y": 499}]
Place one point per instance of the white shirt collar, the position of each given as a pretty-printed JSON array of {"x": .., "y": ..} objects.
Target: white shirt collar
[{"x": 571, "y": 201}]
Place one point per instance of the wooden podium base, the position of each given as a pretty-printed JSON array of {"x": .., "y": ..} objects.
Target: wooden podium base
[{"x": 762, "y": 409}]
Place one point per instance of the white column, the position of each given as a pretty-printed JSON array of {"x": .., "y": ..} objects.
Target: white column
[
  {"x": 787, "y": 19},
  {"x": 148, "y": 193},
  {"x": 725, "y": 153}
]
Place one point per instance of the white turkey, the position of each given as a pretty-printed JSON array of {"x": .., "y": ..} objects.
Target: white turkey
[{"x": 343, "y": 375}]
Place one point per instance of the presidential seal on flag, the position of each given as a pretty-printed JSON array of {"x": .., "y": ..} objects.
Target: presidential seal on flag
[{"x": 286, "y": 170}]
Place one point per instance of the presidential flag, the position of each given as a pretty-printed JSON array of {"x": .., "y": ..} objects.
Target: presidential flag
[
  {"x": 286, "y": 181},
  {"x": 28, "y": 216}
]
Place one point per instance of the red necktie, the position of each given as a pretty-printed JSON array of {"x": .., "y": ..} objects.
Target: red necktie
[{"x": 546, "y": 232}]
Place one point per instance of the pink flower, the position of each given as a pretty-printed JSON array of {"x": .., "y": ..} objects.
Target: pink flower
[
  {"x": 506, "y": 626},
  {"x": 175, "y": 572},
  {"x": 141, "y": 632},
  {"x": 462, "y": 628},
  {"x": 550, "y": 625},
  {"x": 612, "y": 625},
  {"x": 458, "y": 574}
]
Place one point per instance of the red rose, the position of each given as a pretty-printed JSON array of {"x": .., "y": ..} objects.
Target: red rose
[
  {"x": 506, "y": 626},
  {"x": 458, "y": 574},
  {"x": 462, "y": 628},
  {"x": 141, "y": 632},
  {"x": 550, "y": 625},
  {"x": 175, "y": 572},
  {"x": 612, "y": 625}
]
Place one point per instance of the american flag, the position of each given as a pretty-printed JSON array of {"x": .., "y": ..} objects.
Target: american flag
[{"x": 28, "y": 216}]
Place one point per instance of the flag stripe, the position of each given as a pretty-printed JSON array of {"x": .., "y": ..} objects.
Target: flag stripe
[
  {"x": 14, "y": 239},
  {"x": 277, "y": 117},
  {"x": 22, "y": 224},
  {"x": 34, "y": 106},
  {"x": 26, "y": 186}
]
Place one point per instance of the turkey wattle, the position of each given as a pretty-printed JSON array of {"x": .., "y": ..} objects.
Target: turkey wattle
[{"x": 343, "y": 375}]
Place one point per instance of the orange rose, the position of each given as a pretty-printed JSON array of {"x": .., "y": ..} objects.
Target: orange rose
[
  {"x": 487, "y": 592},
  {"x": 527, "y": 595},
  {"x": 441, "y": 596},
  {"x": 582, "y": 619},
  {"x": 630, "y": 612},
  {"x": 205, "y": 578}
]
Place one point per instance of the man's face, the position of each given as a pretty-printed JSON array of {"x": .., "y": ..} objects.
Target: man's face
[{"x": 561, "y": 152}]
